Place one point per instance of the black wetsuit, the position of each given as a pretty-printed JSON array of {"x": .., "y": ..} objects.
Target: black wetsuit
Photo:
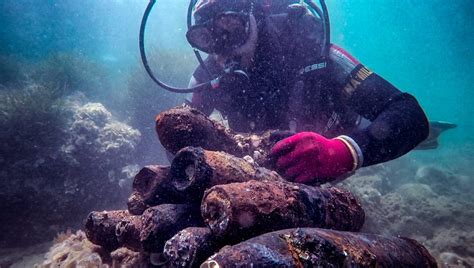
[{"x": 343, "y": 98}]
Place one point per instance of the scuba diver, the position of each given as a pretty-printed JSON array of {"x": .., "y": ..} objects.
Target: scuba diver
[{"x": 271, "y": 66}]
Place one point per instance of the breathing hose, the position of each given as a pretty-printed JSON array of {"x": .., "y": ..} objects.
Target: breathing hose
[{"x": 141, "y": 42}]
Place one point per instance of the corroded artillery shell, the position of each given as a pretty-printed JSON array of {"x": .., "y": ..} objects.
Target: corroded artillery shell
[
  {"x": 160, "y": 223},
  {"x": 313, "y": 247},
  {"x": 128, "y": 231},
  {"x": 194, "y": 170},
  {"x": 147, "y": 232},
  {"x": 151, "y": 187},
  {"x": 184, "y": 126},
  {"x": 190, "y": 247},
  {"x": 243, "y": 210},
  {"x": 100, "y": 227}
]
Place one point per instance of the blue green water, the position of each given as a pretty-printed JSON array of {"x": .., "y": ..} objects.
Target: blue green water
[{"x": 422, "y": 47}]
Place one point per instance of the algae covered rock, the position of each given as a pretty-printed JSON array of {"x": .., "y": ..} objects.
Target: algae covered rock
[{"x": 64, "y": 157}]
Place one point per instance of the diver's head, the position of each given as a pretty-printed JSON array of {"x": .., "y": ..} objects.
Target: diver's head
[{"x": 226, "y": 29}]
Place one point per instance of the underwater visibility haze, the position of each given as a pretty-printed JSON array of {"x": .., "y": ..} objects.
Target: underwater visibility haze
[{"x": 77, "y": 114}]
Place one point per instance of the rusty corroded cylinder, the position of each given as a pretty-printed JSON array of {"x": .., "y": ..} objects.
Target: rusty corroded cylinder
[
  {"x": 151, "y": 182},
  {"x": 135, "y": 204},
  {"x": 193, "y": 170},
  {"x": 312, "y": 247},
  {"x": 190, "y": 247},
  {"x": 161, "y": 222},
  {"x": 147, "y": 232},
  {"x": 151, "y": 187},
  {"x": 128, "y": 233},
  {"x": 184, "y": 126},
  {"x": 100, "y": 227},
  {"x": 243, "y": 210}
]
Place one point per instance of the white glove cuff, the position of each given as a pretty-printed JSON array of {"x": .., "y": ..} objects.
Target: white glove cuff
[{"x": 355, "y": 151}]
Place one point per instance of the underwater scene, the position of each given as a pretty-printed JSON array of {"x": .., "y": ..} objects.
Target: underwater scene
[{"x": 311, "y": 134}]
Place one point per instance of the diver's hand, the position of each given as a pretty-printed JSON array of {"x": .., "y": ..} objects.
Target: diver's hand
[{"x": 309, "y": 157}]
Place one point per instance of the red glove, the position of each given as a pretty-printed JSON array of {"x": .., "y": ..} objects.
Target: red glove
[{"x": 308, "y": 156}]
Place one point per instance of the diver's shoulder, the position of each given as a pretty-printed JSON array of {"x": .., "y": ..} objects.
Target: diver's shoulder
[
  {"x": 342, "y": 62},
  {"x": 341, "y": 56}
]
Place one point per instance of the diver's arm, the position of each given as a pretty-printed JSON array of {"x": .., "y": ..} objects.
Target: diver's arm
[
  {"x": 398, "y": 123},
  {"x": 205, "y": 101}
]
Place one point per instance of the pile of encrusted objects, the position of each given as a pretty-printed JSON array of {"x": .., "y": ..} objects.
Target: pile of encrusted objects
[{"x": 219, "y": 204}]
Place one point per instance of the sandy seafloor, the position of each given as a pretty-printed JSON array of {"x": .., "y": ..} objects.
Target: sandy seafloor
[{"x": 425, "y": 195}]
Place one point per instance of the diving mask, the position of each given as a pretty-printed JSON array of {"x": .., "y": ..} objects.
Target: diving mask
[{"x": 221, "y": 34}]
